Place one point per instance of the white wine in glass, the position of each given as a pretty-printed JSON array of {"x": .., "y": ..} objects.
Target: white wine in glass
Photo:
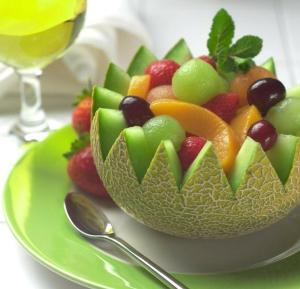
[{"x": 33, "y": 33}]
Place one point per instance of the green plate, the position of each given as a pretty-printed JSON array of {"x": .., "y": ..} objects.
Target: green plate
[{"x": 33, "y": 204}]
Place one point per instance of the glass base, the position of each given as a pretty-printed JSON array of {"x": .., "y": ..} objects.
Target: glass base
[{"x": 34, "y": 133}]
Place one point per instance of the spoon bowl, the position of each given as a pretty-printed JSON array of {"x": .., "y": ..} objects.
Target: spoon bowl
[
  {"x": 86, "y": 216},
  {"x": 88, "y": 219}
]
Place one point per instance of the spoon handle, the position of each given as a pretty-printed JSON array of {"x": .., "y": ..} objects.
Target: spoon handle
[{"x": 154, "y": 269}]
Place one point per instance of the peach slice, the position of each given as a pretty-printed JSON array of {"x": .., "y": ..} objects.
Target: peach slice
[
  {"x": 242, "y": 82},
  {"x": 243, "y": 120},
  {"x": 139, "y": 86},
  {"x": 199, "y": 121}
]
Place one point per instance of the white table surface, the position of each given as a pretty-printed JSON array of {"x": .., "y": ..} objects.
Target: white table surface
[{"x": 277, "y": 21}]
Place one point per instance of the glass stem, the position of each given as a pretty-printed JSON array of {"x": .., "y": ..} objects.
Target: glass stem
[{"x": 32, "y": 117}]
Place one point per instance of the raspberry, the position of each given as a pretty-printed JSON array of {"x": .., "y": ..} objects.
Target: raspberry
[
  {"x": 161, "y": 72},
  {"x": 224, "y": 105},
  {"x": 189, "y": 150},
  {"x": 209, "y": 60}
]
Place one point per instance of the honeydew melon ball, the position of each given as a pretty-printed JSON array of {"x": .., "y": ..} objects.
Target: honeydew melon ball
[
  {"x": 161, "y": 128},
  {"x": 197, "y": 82}
]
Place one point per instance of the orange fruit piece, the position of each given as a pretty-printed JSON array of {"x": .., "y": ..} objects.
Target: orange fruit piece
[
  {"x": 199, "y": 121},
  {"x": 139, "y": 86},
  {"x": 243, "y": 121},
  {"x": 242, "y": 82},
  {"x": 160, "y": 92}
]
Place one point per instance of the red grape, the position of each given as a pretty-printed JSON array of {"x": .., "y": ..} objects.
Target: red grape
[
  {"x": 265, "y": 93},
  {"x": 263, "y": 132},
  {"x": 136, "y": 110}
]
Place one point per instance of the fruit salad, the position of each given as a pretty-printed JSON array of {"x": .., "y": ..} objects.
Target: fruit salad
[{"x": 202, "y": 146}]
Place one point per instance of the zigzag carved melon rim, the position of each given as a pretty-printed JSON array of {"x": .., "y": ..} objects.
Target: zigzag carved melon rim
[{"x": 206, "y": 206}]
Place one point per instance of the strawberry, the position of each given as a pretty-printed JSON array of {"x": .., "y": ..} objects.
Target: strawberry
[
  {"x": 161, "y": 72},
  {"x": 224, "y": 105},
  {"x": 189, "y": 150},
  {"x": 209, "y": 60},
  {"x": 82, "y": 170},
  {"x": 81, "y": 116}
]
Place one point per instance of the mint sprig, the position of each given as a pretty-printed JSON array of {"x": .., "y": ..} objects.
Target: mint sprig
[
  {"x": 246, "y": 47},
  {"x": 231, "y": 58},
  {"x": 221, "y": 33}
]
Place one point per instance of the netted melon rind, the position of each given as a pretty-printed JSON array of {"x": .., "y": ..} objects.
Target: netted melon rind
[
  {"x": 292, "y": 186},
  {"x": 205, "y": 207}
]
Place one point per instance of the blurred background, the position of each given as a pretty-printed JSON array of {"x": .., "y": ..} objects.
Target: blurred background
[{"x": 115, "y": 29}]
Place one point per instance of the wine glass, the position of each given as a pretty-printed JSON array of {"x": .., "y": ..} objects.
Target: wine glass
[{"x": 33, "y": 33}]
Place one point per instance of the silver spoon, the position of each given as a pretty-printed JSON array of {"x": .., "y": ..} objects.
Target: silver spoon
[{"x": 90, "y": 222}]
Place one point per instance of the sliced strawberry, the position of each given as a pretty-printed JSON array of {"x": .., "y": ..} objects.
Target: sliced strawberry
[
  {"x": 189, "y": 150},
  {"x": 224, "y": 105},
  {"x": 161, "y": 72}
]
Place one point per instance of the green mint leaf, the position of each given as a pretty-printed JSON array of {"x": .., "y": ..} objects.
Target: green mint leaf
[
  {"x": 246, "y": 47},
  {"x": 78, "y": 144},
  {"x": 226, "y": 63},
  {"x": 244, "y": 64},
  {"x": 221, "y": 33}
]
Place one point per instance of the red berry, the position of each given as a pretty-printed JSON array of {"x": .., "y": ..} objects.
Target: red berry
[
  {"x": 224, "y": 105},
  {"x": 82, "y": 171},
  {"x": 209, "y": 60},
  {"x": 189, "y": 150},
  {"x": 263, "y": 132},
  {"x": 161, "y": 72},
  {"x": 81, "y": 116}
]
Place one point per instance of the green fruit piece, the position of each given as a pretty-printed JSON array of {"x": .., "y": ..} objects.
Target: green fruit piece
[
  {"x": 141, "y": 60},
  {"x": 282, "y": 155},
  {"x": 173, "y": 161},
  {"x": 243, "y": 161},
  {"x": 111, "y": 123},
  {"x": 285, "y": 116},
  {"x": 197, "y": 162},
  {"x": 117, "y": 79},
  {"x": 105, "y": 98},
  {"x": 138, "y": 150},
  {"x": 161, "y": 128},
  {"x": 293, "y": 92},
  {"x": 197, "y": 82},
  {"x": 180, "y": 52},
  {"x": 269, "y": 64}
]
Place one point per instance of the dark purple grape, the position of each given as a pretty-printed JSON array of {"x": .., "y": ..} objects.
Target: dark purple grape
[
  {"x": 264, "y": 133},
  {"x": 265, "y": 93},
  {"x": 136, "y": 110}
]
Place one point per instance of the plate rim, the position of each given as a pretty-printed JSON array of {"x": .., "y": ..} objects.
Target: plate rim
[
  {"x": 32, "y": 253},
  {"x": 84, "y": 281}
]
